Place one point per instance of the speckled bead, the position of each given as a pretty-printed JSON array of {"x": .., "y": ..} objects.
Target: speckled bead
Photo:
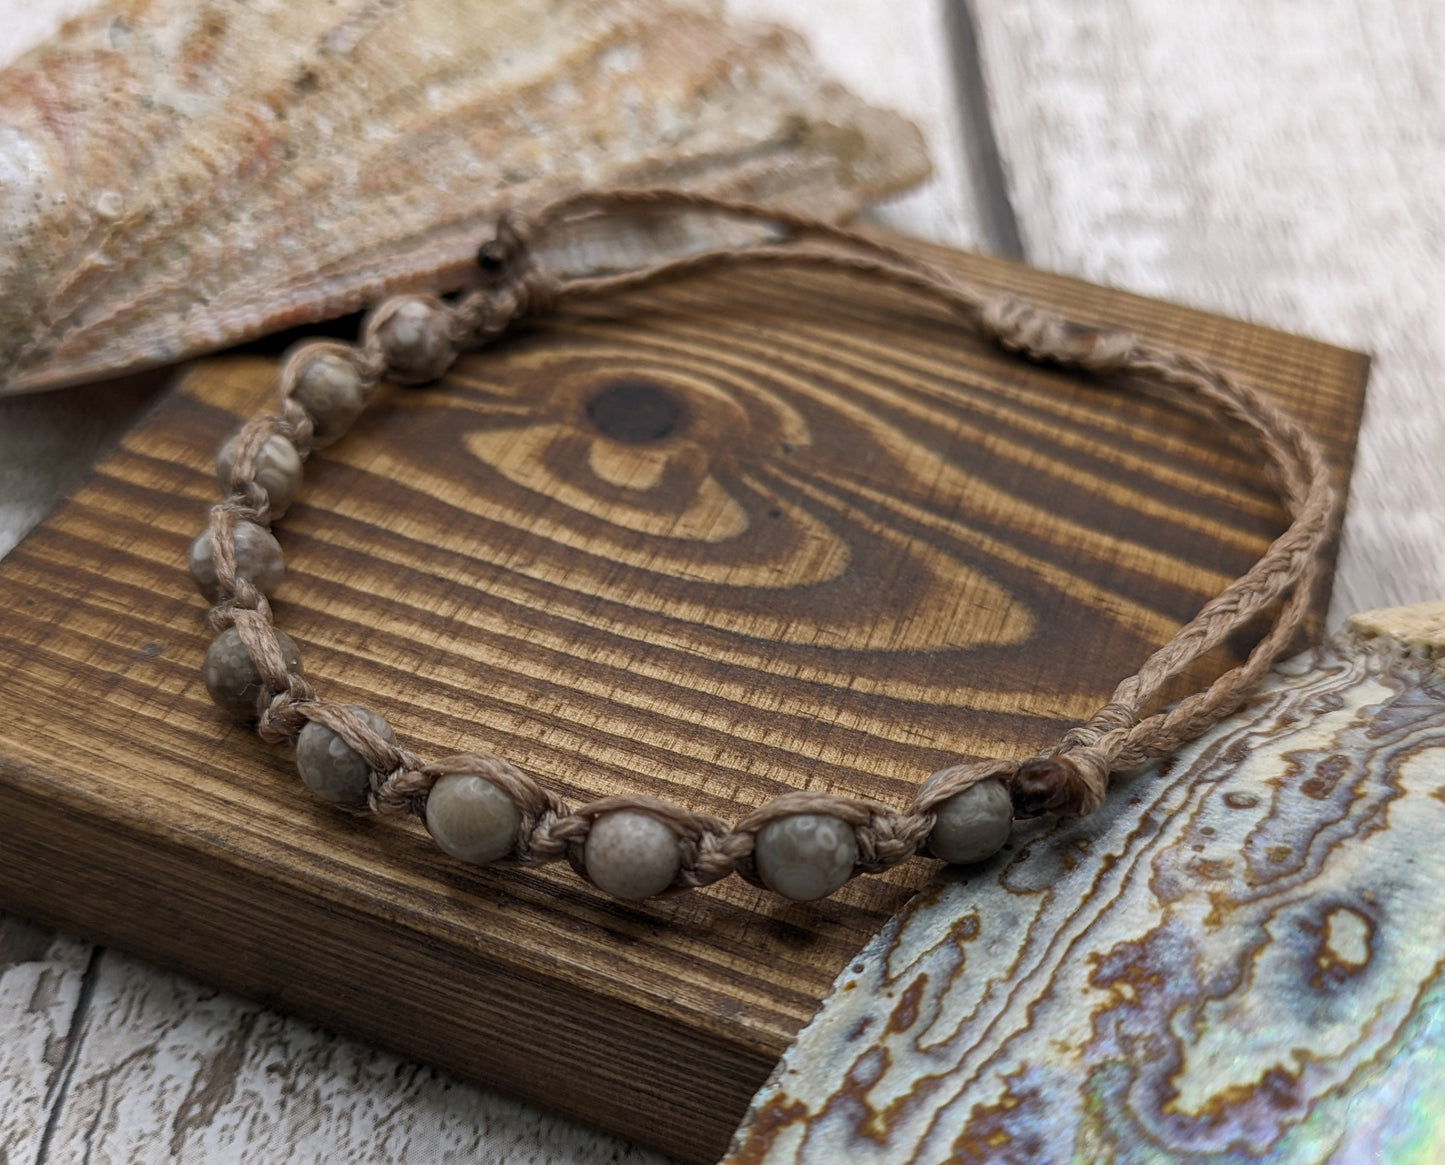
[
  {"x": 329, "y": 388},
  {"x": 330, "y": 767},
  {"x": 416, "y": 341},
  {"x": 278, "y": 470},
  {"x": 631, "y": 855},
  {"x": 471, "y": 819},
  {"x": 805, "y": 856},
  {"x": 232, "y": 679},
  {"x": 973, "y": 825},
  {"x": 258, "y": 558}
]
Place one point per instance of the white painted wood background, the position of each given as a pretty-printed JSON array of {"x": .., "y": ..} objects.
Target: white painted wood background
[{"x": 1276, "y": 160}]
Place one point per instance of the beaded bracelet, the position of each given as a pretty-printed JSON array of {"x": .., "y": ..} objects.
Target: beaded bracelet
[{"x": 803, "y": 845}]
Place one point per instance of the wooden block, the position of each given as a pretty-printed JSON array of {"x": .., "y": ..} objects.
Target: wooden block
[{"x": 753, "y": 531}]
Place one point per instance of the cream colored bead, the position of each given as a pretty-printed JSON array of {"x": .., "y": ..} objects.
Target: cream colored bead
[
  {"x": 973, "y": 825},
  {"x": 278, "y": 470},
  {"x": 330, "y": 389},
  {"x": 416, "y": 341},
  {"x": 631, "y": 855},
  {"x": 472, "y": 819},
  {"x": 258, "y": 558},
  {"x": 805, "y": 856},
  {"x": 330, "y": 767},
  {"x": 232, "y": 679}
]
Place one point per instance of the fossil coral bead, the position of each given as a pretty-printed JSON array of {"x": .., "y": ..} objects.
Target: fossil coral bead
[
  {"x": 631, "y": 855},
  {"x": 330, "y": 767},
  {"x": 972, "y": 825},
  {"x": 416, "y": 341},
  {"x": 472, "y": 819},
  {"x": 805, "y": 856},
  {"x": 331, "y": 391},
  {"x": 232, "y": 678},
  {"x": 277, "y": 470},
  {"x": 257, "y": 554}
]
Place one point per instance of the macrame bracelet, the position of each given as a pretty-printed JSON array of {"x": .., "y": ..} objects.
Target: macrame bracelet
[{"x": 803, "y": 845}]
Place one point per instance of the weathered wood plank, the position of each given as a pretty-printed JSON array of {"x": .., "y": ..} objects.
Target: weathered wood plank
[
  {"x": 41, "y": 977},
  {"x": 169, "y": 1070},
  {"x": 1237, "y": 959},
  {"x": 1271, "y": 160},
  {"x": 897, "y": 55},
  {"x": 49, "y": 442}
]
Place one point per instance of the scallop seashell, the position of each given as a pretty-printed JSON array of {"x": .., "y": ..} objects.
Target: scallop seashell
[
  {"x": 1238, "y": 958},
  {"x": 177, "y": 176}
]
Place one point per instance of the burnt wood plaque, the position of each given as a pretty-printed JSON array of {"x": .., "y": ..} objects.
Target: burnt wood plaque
[{"x": 744, "y": 533}]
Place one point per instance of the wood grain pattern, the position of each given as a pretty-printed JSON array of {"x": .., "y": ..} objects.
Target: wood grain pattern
[
  {"x": 1236, "y": 960},
  {"x": 866, "y": 543}
]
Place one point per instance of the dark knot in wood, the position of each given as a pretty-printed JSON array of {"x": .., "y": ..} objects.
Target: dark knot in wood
[{"x": 634, "y": 411}]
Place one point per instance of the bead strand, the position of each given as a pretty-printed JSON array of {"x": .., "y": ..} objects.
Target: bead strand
[
  {"x": 478, "y": 809},
  {"x": 803, "y": 845}
]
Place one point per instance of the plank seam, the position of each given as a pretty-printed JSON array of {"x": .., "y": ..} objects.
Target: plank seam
[
  {"x": 74, "y": 1037},
  {"x": 999, "y": 224}
]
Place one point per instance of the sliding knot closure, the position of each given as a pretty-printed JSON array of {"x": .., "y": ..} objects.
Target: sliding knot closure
[{"x": 803, "y": 844}]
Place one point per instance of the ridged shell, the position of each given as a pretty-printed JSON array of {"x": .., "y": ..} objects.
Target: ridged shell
[
  {"x": 177, "y": 176},
  {"x": 1238, "y": 959}
]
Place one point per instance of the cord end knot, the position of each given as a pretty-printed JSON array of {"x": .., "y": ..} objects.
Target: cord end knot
[
  {"x": 1071, "y": 785},
  {"x": 508, "y": 249},
  {"x": 513, "y": 284}
]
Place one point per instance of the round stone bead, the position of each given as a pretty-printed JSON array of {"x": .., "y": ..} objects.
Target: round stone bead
[
  {"x": 232, "y": 679},
  {"x": 329, "y": 388},
  {"x": 331, "y": 768},
  {"x": 805, "y": 856},
  {"x": 278, "y": 470},
  {"x": 471, "y": 819},
  {"x": 416, "y": 341},
  {"x": 972, "y": 825},
  {"x": 631, "y": 855},
  {"x": 258, "y": 558}
]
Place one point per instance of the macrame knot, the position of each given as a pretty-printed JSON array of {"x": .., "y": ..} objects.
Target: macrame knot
[
  {"x": 888, "y": 838},
  {"x": 250, "y": 503},
  {"x": 301, "y": 430},
  {"x": 718, "y": 852},
  {"x": 549, "y": 836},
  {"x": 282, "y": 719},
  {"x": 1070, "y": 784},
  {"x": 1049, "y": 338},
  {"x": 404, "y": 790}
]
